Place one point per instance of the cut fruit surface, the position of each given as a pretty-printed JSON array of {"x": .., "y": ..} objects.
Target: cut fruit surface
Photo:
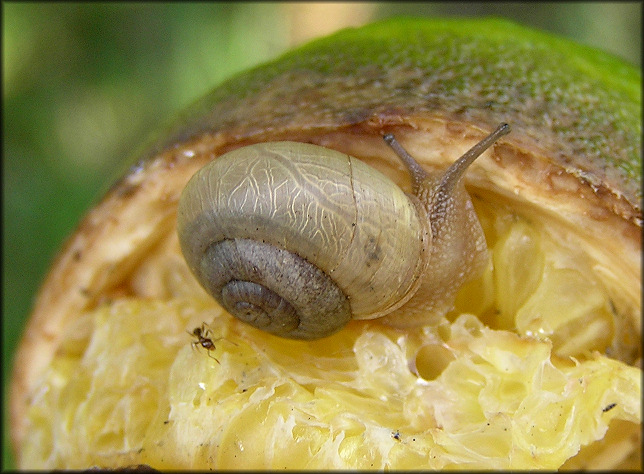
[{"x": 128, "y": 386}]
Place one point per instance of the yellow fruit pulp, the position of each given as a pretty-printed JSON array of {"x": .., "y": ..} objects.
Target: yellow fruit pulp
[{"x": 516, "y": 377}]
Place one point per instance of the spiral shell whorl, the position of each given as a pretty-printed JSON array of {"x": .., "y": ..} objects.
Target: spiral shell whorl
[
  {"x": 273, "y": 289},
  {"x": 328, "y": 208}
]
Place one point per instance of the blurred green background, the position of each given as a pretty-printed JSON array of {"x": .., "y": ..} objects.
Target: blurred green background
[{"x": 84, "y": 84}]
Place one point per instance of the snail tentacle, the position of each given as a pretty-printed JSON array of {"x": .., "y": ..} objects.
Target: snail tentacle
[
  {"x": 458, "y": 251},
  {"x": 455, "y": 172},
  {"x": 418, "y": 174}
]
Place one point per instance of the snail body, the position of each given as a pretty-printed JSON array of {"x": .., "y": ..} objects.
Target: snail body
[{"x": 297, "y": 239}]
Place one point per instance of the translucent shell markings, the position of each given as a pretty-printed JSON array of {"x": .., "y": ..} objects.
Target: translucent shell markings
[{"x": 332, "y": 210}]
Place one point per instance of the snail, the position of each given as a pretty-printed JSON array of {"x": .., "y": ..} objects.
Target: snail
[{"x": 296, "y": 239}]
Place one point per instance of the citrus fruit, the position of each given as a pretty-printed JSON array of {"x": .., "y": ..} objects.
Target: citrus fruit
[{"x": 536, "y": 366}]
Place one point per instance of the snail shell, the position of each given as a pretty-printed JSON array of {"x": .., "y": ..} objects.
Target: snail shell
[{"x": 297, "y": 239}]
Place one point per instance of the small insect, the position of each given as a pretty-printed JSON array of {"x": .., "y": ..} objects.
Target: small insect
[{"x": 203, "y": 339}]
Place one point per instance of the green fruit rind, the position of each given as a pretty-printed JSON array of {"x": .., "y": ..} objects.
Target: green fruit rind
[{"x": 579, "y": 106}]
